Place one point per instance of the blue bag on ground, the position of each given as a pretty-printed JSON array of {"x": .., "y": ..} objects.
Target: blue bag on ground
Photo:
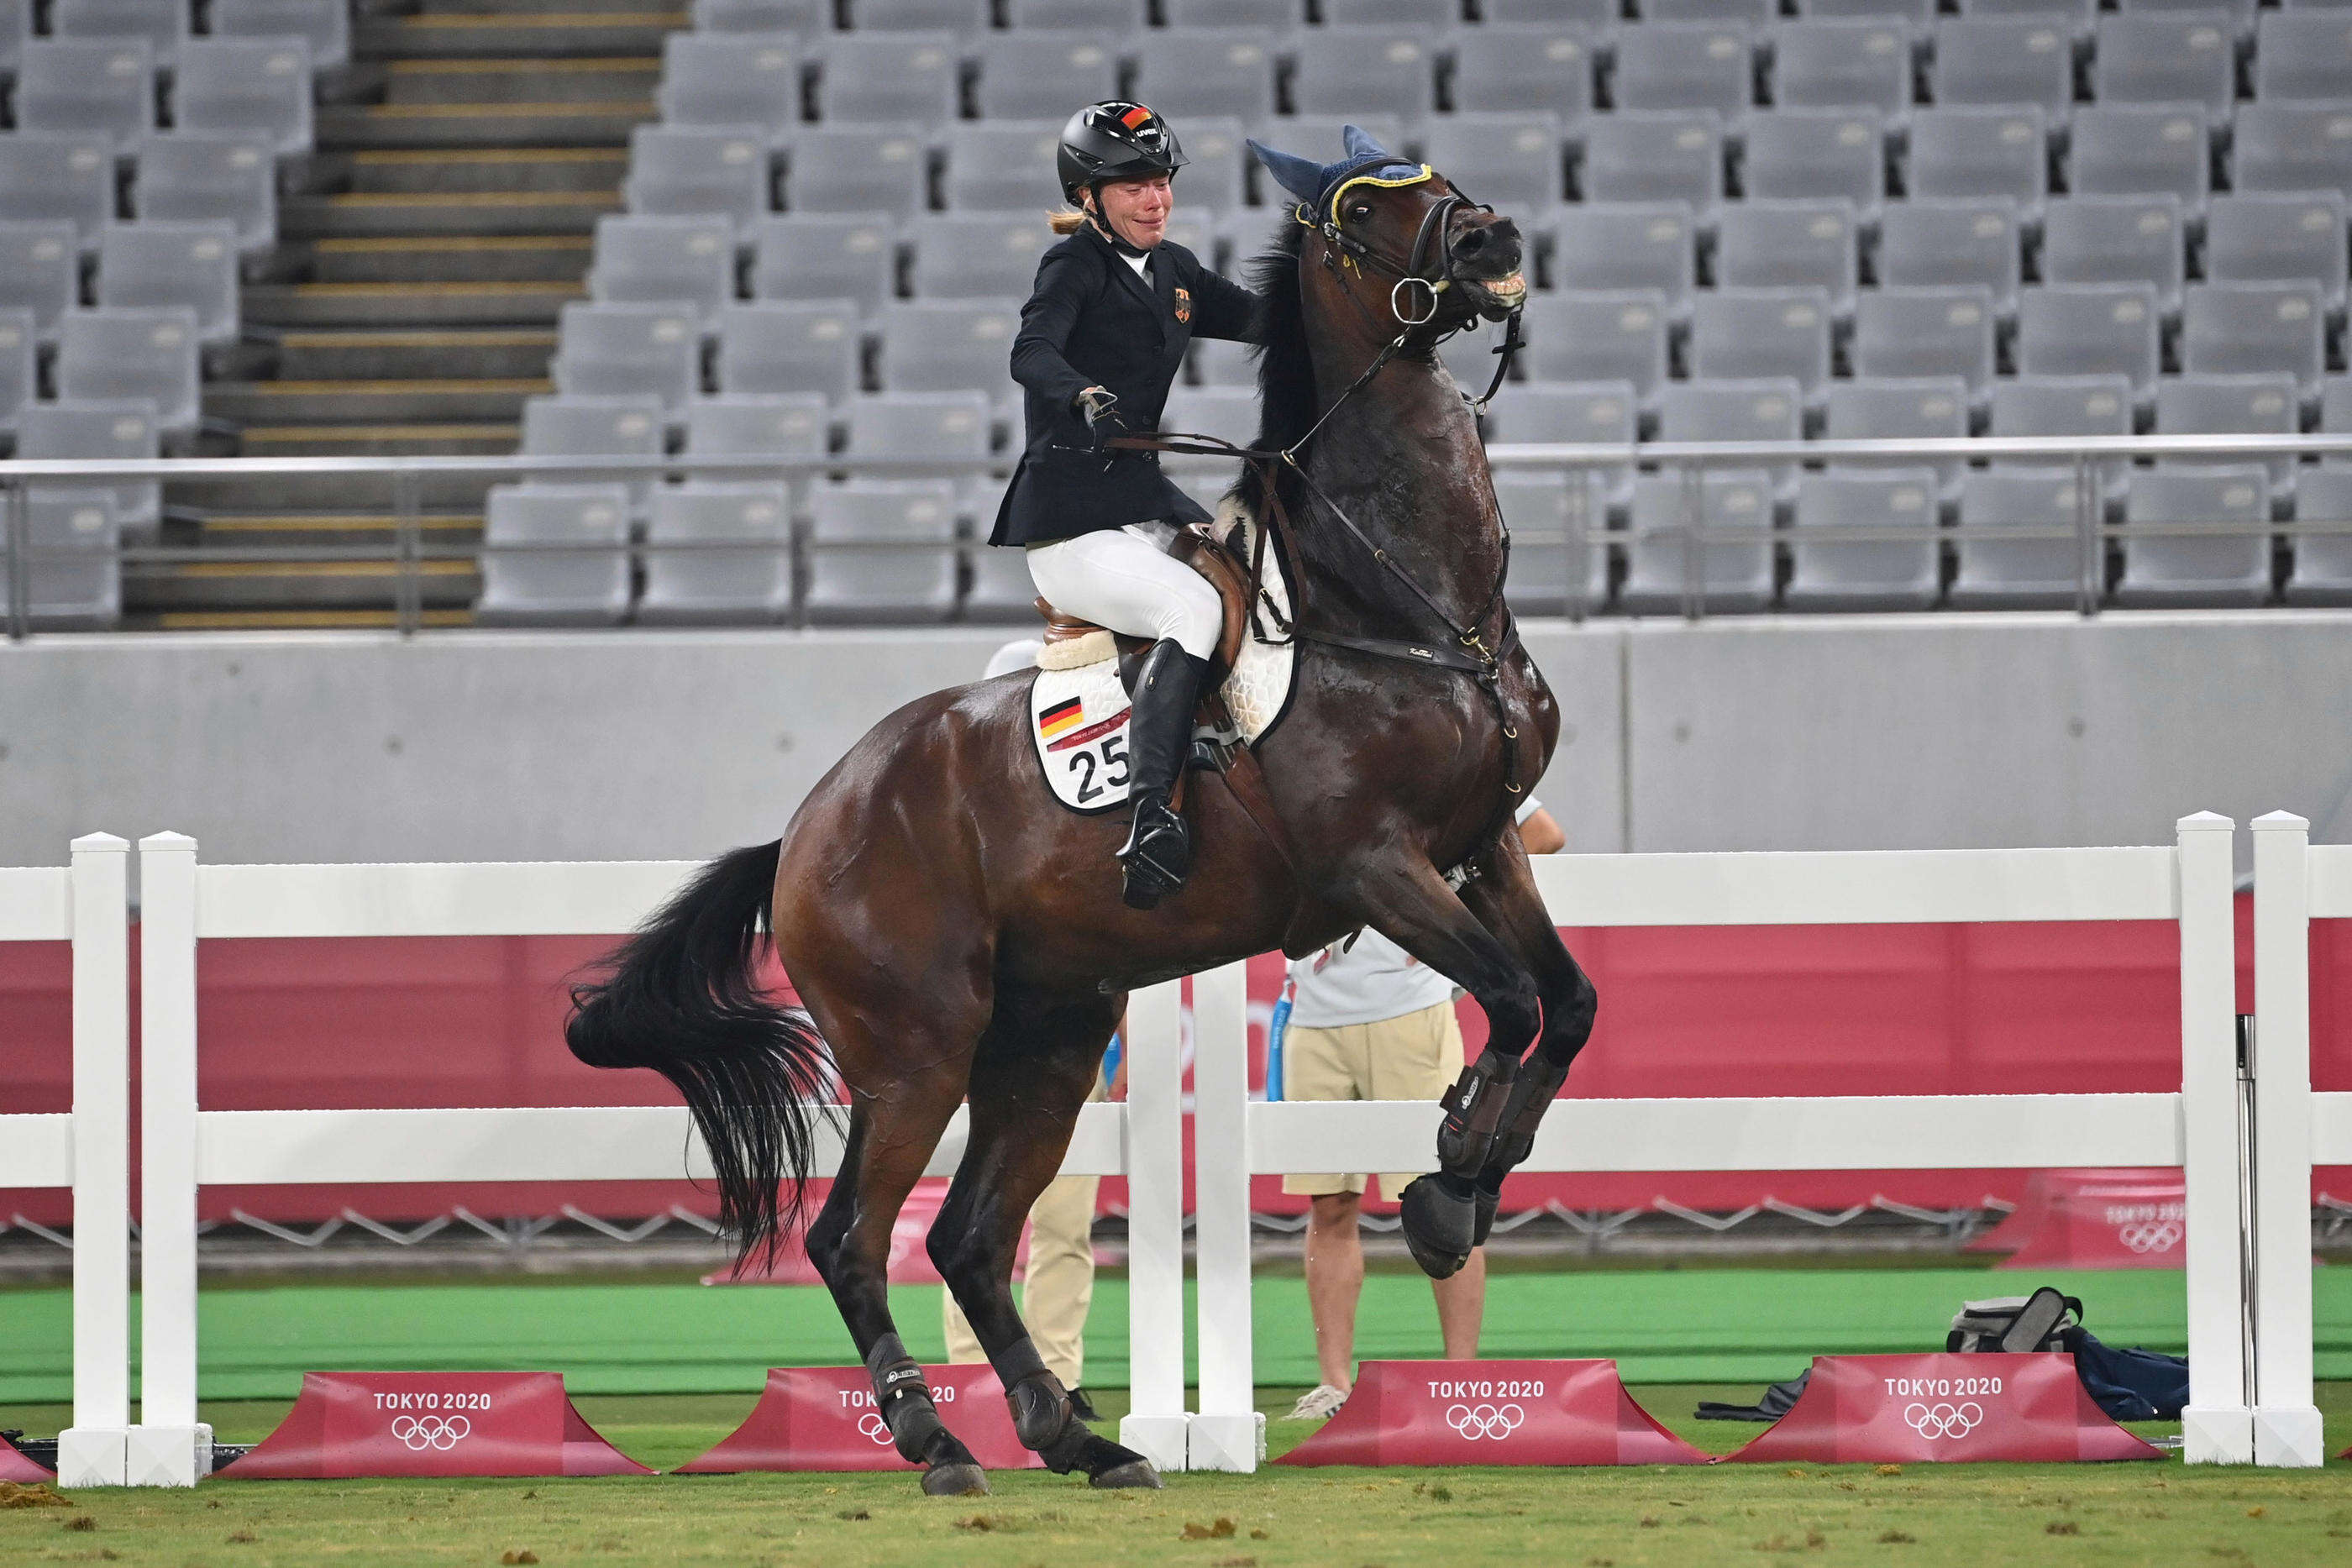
[{"x": 2129, "y": 1384}]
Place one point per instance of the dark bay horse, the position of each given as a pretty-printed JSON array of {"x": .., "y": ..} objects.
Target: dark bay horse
[{"x": 953, "y": 933}]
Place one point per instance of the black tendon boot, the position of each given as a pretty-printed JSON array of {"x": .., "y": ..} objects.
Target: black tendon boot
[{"x": 1159, "y": 851}]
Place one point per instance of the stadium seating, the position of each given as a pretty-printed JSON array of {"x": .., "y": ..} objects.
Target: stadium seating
[
  {"x": 39, "y": 272},
  {"x": 2295, "y": 238},
  {"x": 2236, "y": 327},
  {"x": 2193, "y": 570},
  {"x": 159, "y": 24},
  {"x": 824, "y": 256},
  {"x": 2166, "y": 57},
  {"x": 1984, "y": 61},
  {"x": 1790, "y": 244},
  {"x": 124, "y": 352},
  {"x": 1021, "y": 70},
  {"x": 760, "y": 424},
  {"x": 1632, "y": 157},
  {"x": 1817, "y": 155},
  {"x": 59, "y": 176},
  {"x": 558, "y": 426},
  {"x": 1756, "y": 333},
  {"x": 1603, "y": 246},
  {"x": 1510, "y": 160},
  {"x": 789, "y": 346},
  {"x": 1864, "y": 574},
  {"x": 1545, "y": 68},
  {"x": 2116, "y": 239},
  {"x": 2086, "y": 329},
  {"x": 1913, "y": 408},
  {"x": 2323, "y": 563},
  {"x": 2040, "y": 573},
  {"x": 19, "y": 377},
  {"x": 893, "y": 79},
  {"x": 1911, "y": 332},
  {"x": 944, "y": 346},
  {"x": 1598, "y": 337},
  {"x": 87, "y": 87},
  {"x": 1678, "y": 67},
  {"x": 754, "y": 583},
  {"x": 1971, "y": 153},
  {"x": 1570, "y": 411},
  {"x": 657, "y": 261},
  {"x": 585, "y": 585},
  {"x": 933, "y": 426},
  {"x": 629, "y": 350},
  {"x": 2258, "y": 404},
  {"x": 678, "y": 171},
  {"x": 189, "y": 264},
  {"x": 189, "y": 176},
  {"x": 2303, "y": 55},
  {"x": 1190, "y": 76},
  {"x": 66, "y": 593},
  {"x": 1559, "y": 540},
  {"x": 961, "y": 257},
  {"x": 804, "y": 17},
  {"x": 2141, "y": 151},
  {"x": 324, "y": 25},
  {"x": 259, "y": 87},
  {"x": 2066, "y": 405},
  {"x": 1946, "y": 245},
  {"x": 731, "y": 79},
  {"x": 1667, "y": 566},
  {"x": 117, "y": 430},
  {"x": 1340, "y": 69},
  {"x": 866, "y": 563},
  {"x": 1863, "y": 63}
]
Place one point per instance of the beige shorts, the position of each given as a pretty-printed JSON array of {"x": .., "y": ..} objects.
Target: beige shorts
[{"x": 1415, "y": 1056}]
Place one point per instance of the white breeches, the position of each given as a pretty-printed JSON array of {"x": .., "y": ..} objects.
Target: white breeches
[{"x": 1121, "y": 578}]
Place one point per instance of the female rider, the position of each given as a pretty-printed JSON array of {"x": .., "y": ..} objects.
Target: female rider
[{"x": 1101, "y": 341}]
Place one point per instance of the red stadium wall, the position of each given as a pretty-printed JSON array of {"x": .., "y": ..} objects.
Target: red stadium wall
[{"x": 1684, "y": 1012}]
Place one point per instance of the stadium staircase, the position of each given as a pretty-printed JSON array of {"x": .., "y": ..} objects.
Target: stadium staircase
[{"x": 410, "y": 306}]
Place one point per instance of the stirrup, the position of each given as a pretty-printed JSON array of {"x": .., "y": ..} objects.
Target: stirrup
[{"x": 1157, "y": 854}]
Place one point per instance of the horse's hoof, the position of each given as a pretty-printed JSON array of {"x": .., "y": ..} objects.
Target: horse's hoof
[
  {"x": 1439, "y": 1225},
  {"x": 1136, "y": 1472},
  {"x": 955, "y": 1481}
]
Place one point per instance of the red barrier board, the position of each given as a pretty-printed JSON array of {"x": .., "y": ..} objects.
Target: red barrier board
[
  {"x": 432, "y": 1423},
  {"x": 1491, "y": 1413},
  {"x": 1942, "y": 1409},
  {"x": 2043, "y": 1189},
  {"x": 16, "y": 1467},
  {"x": 2119, "y": 1225},
  {"x": 822, "y": 1418}
]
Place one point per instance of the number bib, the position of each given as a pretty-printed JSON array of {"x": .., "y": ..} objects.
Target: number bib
[{"x": 1079, "y": 719}]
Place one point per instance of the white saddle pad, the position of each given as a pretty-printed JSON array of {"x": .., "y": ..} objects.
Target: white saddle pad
[{"x": 1078, "y": 717}]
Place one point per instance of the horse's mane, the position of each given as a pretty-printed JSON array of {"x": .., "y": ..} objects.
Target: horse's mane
[{"x": 1285, "y": 369}]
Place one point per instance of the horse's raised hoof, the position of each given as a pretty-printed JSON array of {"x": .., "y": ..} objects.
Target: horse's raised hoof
[
  {"x": 1440, "y": 1216},
  {"x": 956, "y": 1479}
]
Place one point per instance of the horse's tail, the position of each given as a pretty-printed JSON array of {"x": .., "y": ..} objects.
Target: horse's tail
[{"x": 682, "y": 997}]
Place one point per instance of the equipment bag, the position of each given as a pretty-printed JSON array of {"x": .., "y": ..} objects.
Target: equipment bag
[
  {"x": 1778, "y": 1401},
  {"x": 2014, "y": 1324},
  {"x": 2128, "y": 1384}
]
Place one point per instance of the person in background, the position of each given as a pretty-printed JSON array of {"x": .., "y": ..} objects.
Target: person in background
[
  {"x": 1059, "y": 1286},
  {"x": 1372, "y": 1022}
]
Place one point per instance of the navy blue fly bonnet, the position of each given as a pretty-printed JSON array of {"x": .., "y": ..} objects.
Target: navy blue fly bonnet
[{"x": 1318, "y": 185}]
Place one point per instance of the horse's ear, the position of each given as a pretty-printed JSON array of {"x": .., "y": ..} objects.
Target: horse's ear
[
  {"x": 1360, "y": 144},
  {"x": 1302, "y": 177}
]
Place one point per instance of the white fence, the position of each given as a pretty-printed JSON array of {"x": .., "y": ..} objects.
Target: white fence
[{"x": 2248, "y": 1280}]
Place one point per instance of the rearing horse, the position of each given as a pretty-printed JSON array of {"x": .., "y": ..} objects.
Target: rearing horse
[{"x": 955, "y": 934}]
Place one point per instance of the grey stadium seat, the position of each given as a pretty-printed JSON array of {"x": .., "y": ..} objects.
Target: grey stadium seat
[
  {"x": 789, "y": 346},
  {"x": 961, "y": 257},
  {"x": 629, "y": 350},
  {"x": 764, "y": 424},
  {"x": 2141, "y": 151},
  {"x": 1217, "y": 363},
  {"x": 87, "y": 87},
  {"x": 826, "y": 256},
  {"x": 2212, "y": 570},
  {"x": 1002, "y": 590},
  {"x": 148, "y": 352},
  {"x": 1911, "y": 408},
  {"x": 1340, "y": 69},
  {"x": 2002, "y": 60},
  {"x": 16, "y": 27},
  {"x": 2084, "y": 330},
  {"x": 1757, "y": 12},
  {"x": 858, "y": 169},
  {"x": 1569, "y": 411},
  {"x": 678, "y": 171},
  {"x": 947, "y": 347},
  {"x": 1925, "y": 332},
  {"x": 245, "y": 87},
  {"x": 1676, "y": 68},
  {"x": 1655, "y": 158},
  {"x": 1229, "y": 412},
  {"x": 1812, "y": 154},
  {"x": 1970, "y": 153},
  {"x": 1929, "y": 244},
  {"x": 1021, "y": 72},
  {"x": 19, "y": 377},
  {"x": 596, "y": 427},
  {"x": 1918, "y": 13},
  {"x": 898, "y": 80},
  {"x": 1650, "y": 246},
  {"x": 58, "y": 177},
  {"x": 2077, "y": 11},
  {"x": 2304, "y": 55},
  {"x": 1750, "y": 334},
  {"x": 2323, "y": 563},
  {"x": 586, "y": 586},
  {"x": 1214, "y": 180},
  {"x": 188, "y": 176},
  {"x": 1734, "y": 410},
  {"x": 2067, "y": 405},
  {"x": 802, "y": 16},
  {"x": 324, "y": 25},
  {"x": 1008, "y": 167},
  {"x": 1586, "y": 13},
  {"x": 40, "y": 271},
  {"x": 2026, "y": 573},
  {"x": 1559, "y": 540},
  {"x": 1190, "y": 76},
  {"x": 158, "y": 24},
  {"x": 2116, "y": 239},
  {"x": 2238, "y": 327},
  {"x": 642, "y": 260},
  {"x": 1099, "y": 16},
  {"x": 1736, "y": 574},
  {"x": 860, "y": 565},
  {"x": 730, "y": 80},
  {"x": 1865, "y": 63},
  {"x": 1789, "y": 244},
  {"x": 2175, "y": 56},
  {"x": 926, "y": 17},
  {"x": 703, "y": 586},
  {"x": 2292, "y": 147},
  {"x": 1867, "y": 574},
  {"x": 1512, "y": 162},
  {"x": 1504, "y": 67},
  {"x": 928, "y": 424},
  {"x": 2232, "y": 405},
  {"x": 193, "y": 264},
  {"x": 68, "y": 593},
  {"x": 117, "y": 430},
  {"x": 2336, "y": 406},
  {"x": 1598, "y": 337},
  {"x": 2278, "y": 239}
]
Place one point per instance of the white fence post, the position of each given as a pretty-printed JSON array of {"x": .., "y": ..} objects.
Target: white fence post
[
  {"x": 91, "y": 1451},
  {"x": 2286, "y": 1423},
  {"x": 1229, "y": 1434},
  {"x": 169, "y": 1446},
  {"x": 2217, "y": 1428},
  {"x": 1156, "y": 1422}
]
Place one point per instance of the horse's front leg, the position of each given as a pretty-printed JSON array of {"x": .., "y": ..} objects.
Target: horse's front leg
[{"x": 1411, "y": 905}]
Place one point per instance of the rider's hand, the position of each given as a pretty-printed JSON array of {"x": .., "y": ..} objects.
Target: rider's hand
[{"x": 1100, "y": 408}]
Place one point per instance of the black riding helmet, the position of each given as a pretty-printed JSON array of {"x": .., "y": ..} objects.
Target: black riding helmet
[{"x": 1114, "y": 140}]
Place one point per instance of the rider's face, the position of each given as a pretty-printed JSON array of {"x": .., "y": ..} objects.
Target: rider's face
[{"x": 1137, "y": 210}]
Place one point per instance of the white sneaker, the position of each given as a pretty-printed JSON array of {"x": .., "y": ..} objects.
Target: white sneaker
[{"x": 1319, "y": 1402}]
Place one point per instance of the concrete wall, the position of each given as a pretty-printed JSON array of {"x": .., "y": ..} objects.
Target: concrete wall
[{"x": 1782, "y": 733}]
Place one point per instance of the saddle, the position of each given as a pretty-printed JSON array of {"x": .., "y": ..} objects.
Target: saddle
[{"x": 1066, "y": 636}]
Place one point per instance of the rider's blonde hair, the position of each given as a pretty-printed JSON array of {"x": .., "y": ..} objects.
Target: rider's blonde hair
[{"x": 1066, "y": 221}]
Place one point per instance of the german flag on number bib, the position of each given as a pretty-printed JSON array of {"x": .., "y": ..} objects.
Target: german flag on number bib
[{"x": 1061, "y": 718}]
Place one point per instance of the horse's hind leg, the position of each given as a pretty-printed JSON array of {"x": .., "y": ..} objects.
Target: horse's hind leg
[
  {"x": 891, "y": 1138},
  {"x": 1033, "y": 1070}
]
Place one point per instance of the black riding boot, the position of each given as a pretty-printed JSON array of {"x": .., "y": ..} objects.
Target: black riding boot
[{"x": 1158, "y": 851}]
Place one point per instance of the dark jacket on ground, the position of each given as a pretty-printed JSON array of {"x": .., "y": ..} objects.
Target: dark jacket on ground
[{"x": 1091, "y": 321}]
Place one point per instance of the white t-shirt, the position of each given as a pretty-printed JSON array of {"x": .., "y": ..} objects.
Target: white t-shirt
[{"x": 1374, "y": 980}]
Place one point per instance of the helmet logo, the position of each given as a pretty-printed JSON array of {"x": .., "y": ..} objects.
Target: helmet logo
[{"x": 1135, "y": 117}]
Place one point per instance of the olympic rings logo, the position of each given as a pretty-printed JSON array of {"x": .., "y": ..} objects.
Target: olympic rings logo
[
  {"x": 417, "y": 1434},
  {"x": 1483, "y": 1421},
  {"x": 1933, "y": 1421},
  {"x": 2152, "y": 1236},
  {"x": 874, "y": 1426}
]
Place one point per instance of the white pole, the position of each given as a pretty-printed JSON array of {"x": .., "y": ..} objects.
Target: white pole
[
  {"x": 1155, "y": 1426},
  {"x": 169, "y": 1446},
  {"x": 2217, "y": 1428},
  {"x": 91, "y": 1451},
  {"x": 1229, "y": 1434},
  {"x": 2286, "y": 1422}
]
